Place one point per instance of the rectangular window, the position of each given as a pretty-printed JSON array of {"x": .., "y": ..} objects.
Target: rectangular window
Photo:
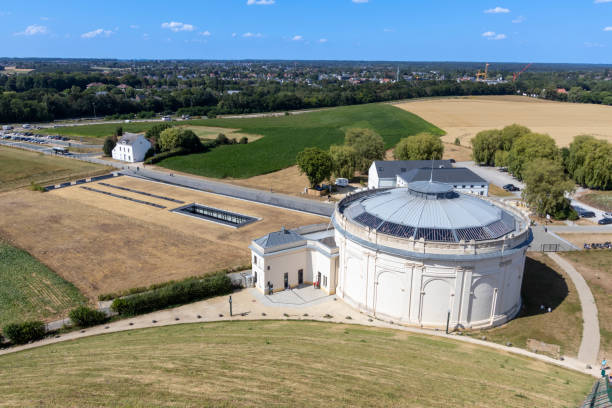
[
  {"x": 254, "y": 259},
  {"x": 463, "y": 186},
  {"x": 325, "y": 281}
]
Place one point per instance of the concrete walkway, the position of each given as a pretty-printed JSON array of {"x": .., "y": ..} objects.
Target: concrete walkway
[
  {"x": 247, "y": 306},
  {"x": 589, "y": 346}
]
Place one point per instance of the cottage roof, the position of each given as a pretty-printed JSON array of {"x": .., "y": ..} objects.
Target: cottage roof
[{"x": 278, "y": 238}]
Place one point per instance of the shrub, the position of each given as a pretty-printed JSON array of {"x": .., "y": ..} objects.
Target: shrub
[
  {"x": 222, "y": 139},
  {"x": 85, "y": 316},
  {"x": 24, "y": 332},
  {"x": 159, "y": 157},
  {"x": 243, "y": 140},
  {"x": 109, "y": 145},
  {"x": 36, "y": 187},
  {"x": 175, "y": 294},
  {"x": 457, "y": 142}
]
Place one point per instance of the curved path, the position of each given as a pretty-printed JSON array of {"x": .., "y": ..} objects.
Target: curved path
[
  {"x": 589, "y": 346},
  {"x": 248, "y": 304}
]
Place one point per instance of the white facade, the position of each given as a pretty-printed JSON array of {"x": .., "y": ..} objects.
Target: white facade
[
  {"x": 467, "y": 187},
  {"x": 131, "y": 148},
  {"x": 287, "y": 259}
]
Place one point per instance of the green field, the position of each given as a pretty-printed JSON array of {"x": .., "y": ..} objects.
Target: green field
[
  {"x": 30, "y": 290},
  {"x": 280, "y": 363},
  {"x": 20, "y": 167},
  {"x": 97, "y": 133},
  {"x": 283, "y": 137}
]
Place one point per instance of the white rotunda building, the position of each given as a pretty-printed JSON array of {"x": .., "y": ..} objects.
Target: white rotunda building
[{"x": 426, "y": 255}]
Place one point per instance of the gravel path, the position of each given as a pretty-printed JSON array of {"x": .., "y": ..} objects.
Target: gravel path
[{"x": 589, "y": 346}]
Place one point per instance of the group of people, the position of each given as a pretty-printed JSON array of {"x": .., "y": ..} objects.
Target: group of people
[{"x": 595, "y": 245}]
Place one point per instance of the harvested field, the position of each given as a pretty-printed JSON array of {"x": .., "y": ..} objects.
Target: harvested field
[
  {"x": 281, "y": 363},
  {"x": 20, "y": 167},
  {"x": 598, "y": 199},
  {"x": 463, "y": 117},
  {"x": 211, "y": 132},
  {"x": 105, "y": 244}
]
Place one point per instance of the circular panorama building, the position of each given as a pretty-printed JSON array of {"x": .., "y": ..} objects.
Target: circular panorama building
[{"x": 414, "y": 254}]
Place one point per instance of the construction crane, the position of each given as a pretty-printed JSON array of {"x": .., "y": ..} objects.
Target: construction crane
[
  {"x": 483, "y": 74},
  {"x": 516, "y": 75}
]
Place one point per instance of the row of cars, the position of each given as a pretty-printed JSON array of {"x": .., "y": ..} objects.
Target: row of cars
[
  {"x": 30, "y": 137},
  {"x": 584, "y": 213}
]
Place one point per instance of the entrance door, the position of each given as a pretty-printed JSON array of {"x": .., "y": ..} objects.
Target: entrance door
[
  {"x": 286, "y": 280},
  {"x": 300, "y": 276},
  {"x": 318, "y": 279}
]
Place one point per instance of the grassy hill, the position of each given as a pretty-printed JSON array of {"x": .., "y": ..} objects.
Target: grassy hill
[
  {"x": 30, "y": 290},
  {"x": 285, "y": 136},
  {"x": 20, "y": 167},
  {"x": 280, "y": 363}
]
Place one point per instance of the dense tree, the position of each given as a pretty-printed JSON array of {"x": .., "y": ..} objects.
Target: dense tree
[
  {"x": 109, "y": 144},
  {"x": 423, "y": 146},
  {"x": 175, "y": 137},
  {"x": 501, "y": 158},
  {"x": 510, "y": 134},
  {"x": 316, "y": 164},
  {"x": 368, "y": 146},
  {"x": 344, "y": 160},
  {"x": 529, "y": 147},
  {"x": 545, "y": 188},
  {"x": 484, "y": 146},
  {"x": 589, "y": 162}
]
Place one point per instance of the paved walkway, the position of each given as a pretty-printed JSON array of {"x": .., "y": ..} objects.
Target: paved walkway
[
  {"x": 246, "y": 306},
  {"x": 589, "y": 346},
  {"x": 541, "y": 237}
]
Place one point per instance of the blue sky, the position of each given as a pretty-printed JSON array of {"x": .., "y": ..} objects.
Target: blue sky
[{"x": 406, "y": 30}]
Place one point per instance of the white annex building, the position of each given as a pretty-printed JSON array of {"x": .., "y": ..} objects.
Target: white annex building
[
  {"x": 131, "y": 148},
  {"x": 416, "y": 255}
]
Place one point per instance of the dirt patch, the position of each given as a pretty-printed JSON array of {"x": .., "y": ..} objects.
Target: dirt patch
[
  {"x": 103, "y": 244},
  {"x": 597, "y": 199},
  {"x": 464, "y": 117}
]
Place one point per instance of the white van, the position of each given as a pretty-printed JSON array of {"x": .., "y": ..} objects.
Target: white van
[{"x": 342, "y": 182}]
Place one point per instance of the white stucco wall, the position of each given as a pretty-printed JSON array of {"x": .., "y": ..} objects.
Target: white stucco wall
[
  {"x": 481, "y": 189},
  {"x": 132, "y": 153}
]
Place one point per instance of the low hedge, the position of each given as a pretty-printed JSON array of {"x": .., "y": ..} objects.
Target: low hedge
[
  {"x": 164, "y": 155},
  {"x": 24, "y": 332},
  {"x": 178, "y": 293},
  {"x": 84, "y": 316}
]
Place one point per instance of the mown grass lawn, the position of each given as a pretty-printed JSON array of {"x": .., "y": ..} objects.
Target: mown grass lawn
[
  {"x": 30, "y": 290},
  {"x": 285, "y": 136},
  {"x": 280, "y": 363},
  {"x": 544, "y": 283},
  {"x": 20, "y": 167},
  {"x": 596, "y": 268}
]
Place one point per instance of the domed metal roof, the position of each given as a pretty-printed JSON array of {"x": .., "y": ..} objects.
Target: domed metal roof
[{"x": 432, "y": 211}]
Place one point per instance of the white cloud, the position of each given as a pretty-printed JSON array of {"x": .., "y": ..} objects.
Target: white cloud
[
  {"x": 297, "y": 38},
  {"x": 593, "y": 45},
  {"x": 234, "y": 35},
  {"x": 177, "y": 26},
  {"x": 260, "y": 2},
  {"x": 360, "y": 1},
  {"x": 497, "y": 10},
  {"x": 602, "y": 1},
  {"x": 389, "y": 30},
  {"x": 609, "y": 28},
  {"x": 34, "y": 29},
  {"x": 205, "y": 33},
  {"x": 4, "y": 13},
  {"x": 44, "y": 18},
  {"x": 134, "y": 27},
  {"x": 519, "y": 20},
  {"x": 100, "y": 32},
  {"x": 492, "y": 35},
  {"x": 252, "y": 35},
  {"x": 323, "y": 40}
]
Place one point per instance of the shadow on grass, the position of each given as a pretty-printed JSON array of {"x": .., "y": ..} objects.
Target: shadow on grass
[{"x": 542, "y": 285}]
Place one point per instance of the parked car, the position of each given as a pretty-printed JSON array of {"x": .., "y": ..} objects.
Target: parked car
[
  {"x": 583, "y": 212},
  {"x": 342, "y": 182},
  {"x": 607, "y": 214},
  {"x": 511, "y": 187},
  {"x": 605, "y": 221}
]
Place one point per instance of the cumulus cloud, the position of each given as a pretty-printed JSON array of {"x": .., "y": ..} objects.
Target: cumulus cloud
[
  {"x": 360, "y": 1},
  {"x": 297, "y": 38},
  {"x": 134, "y": 27},
  {"x": 518, "y": 20},
  {"x": 323, "y": 40},
  {"x": 205, "y": 33},
  {"x": 260, "y": 2},
  {"x": 177, "y": 26},
  {"x": 492, "y": 35},
  {"x": 609, "y": 28},
  {"x": 252, "y": 35},
  {"x": 497, "y": 10},
  {"x": 100, "y": 32},
  {"x": 593, "y": 45},
  {"x": 603, "y": 1},
  {"x": 34, "y": 29}
]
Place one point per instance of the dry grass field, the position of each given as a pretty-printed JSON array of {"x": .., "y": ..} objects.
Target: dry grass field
[
  {"x": 579, "y": 239},
  {"x": 596, "y": 268},
  {"x": 463, "y": 117},
  {"x": 280, "y": 363},
  {"x": 104, "y": 244},
  {"x": 211, "y": 132},
  {"x": 20, "y": 167}
]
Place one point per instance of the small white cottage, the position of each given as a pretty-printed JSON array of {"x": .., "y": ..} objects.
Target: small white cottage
[{"x": 131, "y": 148}]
